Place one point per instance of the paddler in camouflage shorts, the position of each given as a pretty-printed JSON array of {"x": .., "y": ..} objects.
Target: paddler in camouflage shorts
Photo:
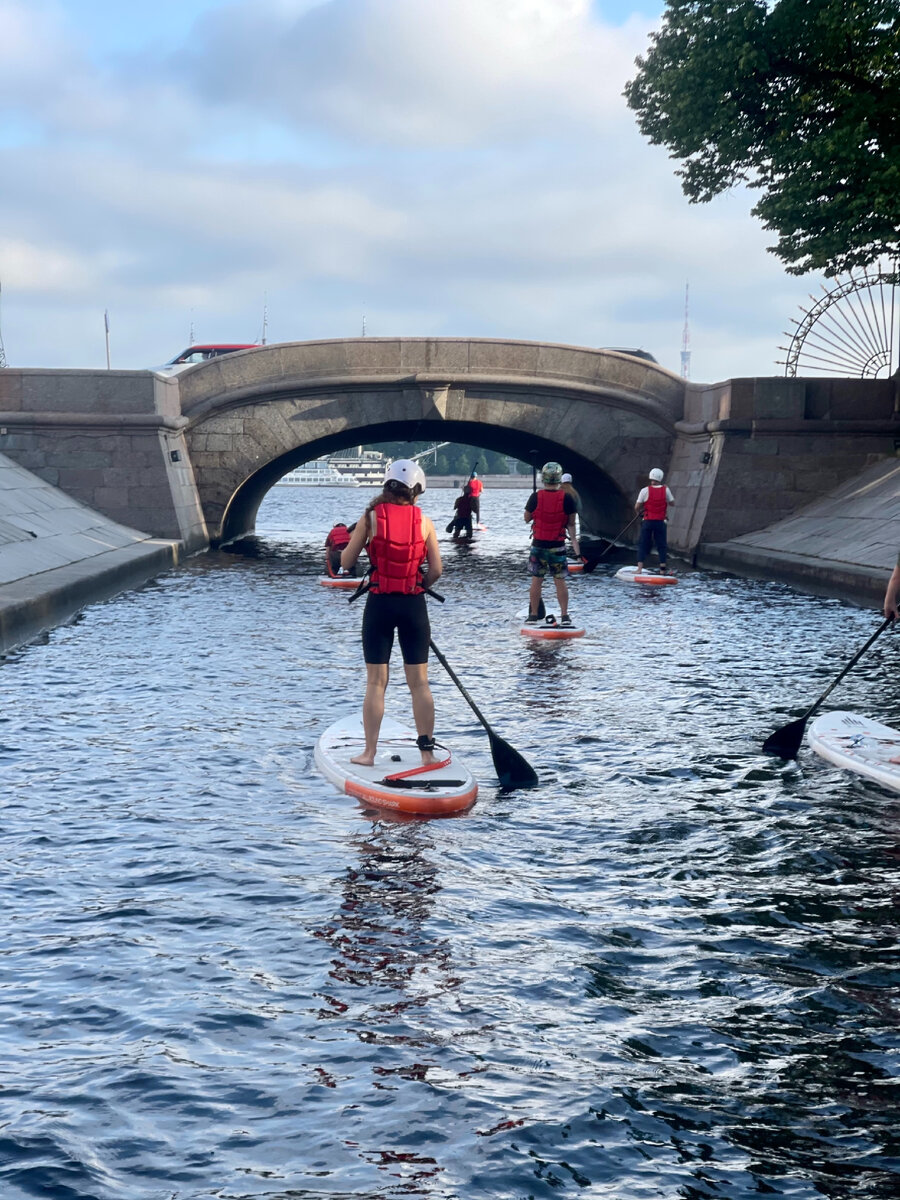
[{"x": 551, "y": 514}]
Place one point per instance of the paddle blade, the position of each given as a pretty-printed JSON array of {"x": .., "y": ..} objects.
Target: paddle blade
[
  {"x": 786, "y": 741},
  {"x": 512, "y": 769}
]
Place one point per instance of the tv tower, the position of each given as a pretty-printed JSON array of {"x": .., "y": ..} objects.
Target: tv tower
[
  {"x": 686, "y": 340},
  {"x": 3, "y": 362}
]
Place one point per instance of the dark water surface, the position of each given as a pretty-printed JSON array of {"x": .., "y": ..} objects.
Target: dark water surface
[{"x": 670, "y": 971}]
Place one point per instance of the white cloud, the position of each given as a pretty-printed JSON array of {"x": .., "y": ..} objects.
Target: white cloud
[
  {"x": 417, "y": 73},
  {"x": 28, "y": 267},
  {"x": 456, "y": 167}
]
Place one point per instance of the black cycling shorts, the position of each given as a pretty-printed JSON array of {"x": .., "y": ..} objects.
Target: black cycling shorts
[{"x": 389, "y": 611}]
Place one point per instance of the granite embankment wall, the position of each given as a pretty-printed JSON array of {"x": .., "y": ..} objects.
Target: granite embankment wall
[
  {"x": 57, "y": 555},
  {"x": 844, "y": 544}
]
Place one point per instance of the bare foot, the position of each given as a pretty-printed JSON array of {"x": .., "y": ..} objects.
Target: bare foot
[
  {"x": 364, "y": 760},
  {"x": 428, "y": 758}
]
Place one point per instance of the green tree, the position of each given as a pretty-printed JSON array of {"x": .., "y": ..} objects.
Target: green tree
[{"x": 798, "y": 98}]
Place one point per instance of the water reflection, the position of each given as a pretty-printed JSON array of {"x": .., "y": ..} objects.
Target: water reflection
[
  {"x": 670, "y": 971},
  {"x": 385, "y": 966}
]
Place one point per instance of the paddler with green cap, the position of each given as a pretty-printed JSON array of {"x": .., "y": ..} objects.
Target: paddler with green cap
[{"x": 551, "y": 513}]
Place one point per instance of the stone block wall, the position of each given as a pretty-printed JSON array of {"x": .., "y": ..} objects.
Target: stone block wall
[
  {"x": 752, "y": 451},
  {"x": 112, "y": 440}
]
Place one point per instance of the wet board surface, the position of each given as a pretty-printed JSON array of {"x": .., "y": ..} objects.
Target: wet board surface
[
  {"x": 645, "y": 578},
  {"x": 451, "y": 788},
  {"x": 549, "y": 628},
  {"x": 339, "y": 581},
  {"x": 858, "y": 744}
]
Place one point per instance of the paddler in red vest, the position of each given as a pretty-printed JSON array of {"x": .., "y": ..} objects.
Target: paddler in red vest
[
  {"x": 337, "y": 539},
  {"x": 551, "y": 513},
  {"x": 401, "y": 542},
  {"x": 652, "y": 505},
  {"x": 474, "y": 488}
]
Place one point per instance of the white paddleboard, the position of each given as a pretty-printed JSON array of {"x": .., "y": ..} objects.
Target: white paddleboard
[
  {"x": 645, "y": 578},
  {"x": 858, "y": 744},
  {"x": 548, "y": 628},
  {"x": 451, "y": 788}
]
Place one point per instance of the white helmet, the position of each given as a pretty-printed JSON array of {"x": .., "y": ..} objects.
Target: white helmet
[
  {"x": 567, "y": 478},
  {"x": 404, "y": 470},
  {"x": 656, "y": 475}
]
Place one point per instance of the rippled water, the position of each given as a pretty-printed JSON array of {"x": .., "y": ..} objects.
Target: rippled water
[{"x": 670, "y": 971}]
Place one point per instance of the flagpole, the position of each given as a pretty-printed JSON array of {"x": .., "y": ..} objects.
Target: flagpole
[{"x": 106, "y": 326}]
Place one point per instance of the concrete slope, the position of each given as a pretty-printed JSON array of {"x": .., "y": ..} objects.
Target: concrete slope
[
  {"x": 56, "y": 555},
  {"x": 844, "y": 544}
]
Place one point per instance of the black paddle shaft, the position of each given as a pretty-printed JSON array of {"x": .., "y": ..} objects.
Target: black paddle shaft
[
  {"x": 474, "y": 707},
  {"x": 786, "y": 741},
  {"x": 590, "y": 566},
  {"x": 852, "y": 663},
  {"x": 512, "y": 769}
]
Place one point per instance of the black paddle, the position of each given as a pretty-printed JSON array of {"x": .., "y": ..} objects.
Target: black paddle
[
  {"x": 591, "y": 564},
  {"x": 512, "y": 769},
  {"x": 786, "y": 741}
]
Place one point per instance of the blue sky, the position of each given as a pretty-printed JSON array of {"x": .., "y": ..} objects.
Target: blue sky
[{"x": 437, "y": 167}]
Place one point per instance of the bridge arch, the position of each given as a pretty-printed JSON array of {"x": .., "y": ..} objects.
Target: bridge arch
[{"x": 253, "y": 415}]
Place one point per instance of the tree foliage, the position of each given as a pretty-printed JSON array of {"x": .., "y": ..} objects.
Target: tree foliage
[
  {"x": 798, "y": 98},
  {"x": 452, "y": 459}
]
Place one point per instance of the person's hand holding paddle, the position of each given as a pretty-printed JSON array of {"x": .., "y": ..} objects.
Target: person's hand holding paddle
[{"x": 892, "y": 596}]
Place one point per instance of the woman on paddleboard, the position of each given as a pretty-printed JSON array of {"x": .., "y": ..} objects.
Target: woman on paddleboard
[{"x": 401, "y": 542}]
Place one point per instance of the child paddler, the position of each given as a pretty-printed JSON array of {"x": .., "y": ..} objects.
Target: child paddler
[
  {"x": 462, "y": 515},
  {"x": 551, "y": 513},
  {"x": 338, "y": 537},
  {"x": 405, "y": 558}
]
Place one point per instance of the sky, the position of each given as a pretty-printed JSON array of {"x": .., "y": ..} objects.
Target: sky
[{"x": 207, "y": 171}]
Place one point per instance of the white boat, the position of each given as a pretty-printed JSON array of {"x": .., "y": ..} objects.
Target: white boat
[
  {"x": 318, "y": 473},
  {"x": 365, "y": 466}
]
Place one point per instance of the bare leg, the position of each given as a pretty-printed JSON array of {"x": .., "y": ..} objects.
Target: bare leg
[
  {"x": 534, "y": 594},
  {"x": 422, "y": 703},
  {"x": 373, "y": 711},
  {"x": 562, "y": 594}
]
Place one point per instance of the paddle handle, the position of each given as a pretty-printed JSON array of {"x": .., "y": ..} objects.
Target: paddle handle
[
  {"x": 852, "y": 663},
  {"x": 474, "y": 707}
]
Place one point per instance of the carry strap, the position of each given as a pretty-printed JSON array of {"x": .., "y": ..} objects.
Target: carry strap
[{"x": 364, "y": 584}]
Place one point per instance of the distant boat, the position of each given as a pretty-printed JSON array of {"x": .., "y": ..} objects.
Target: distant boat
[
  {"x": 366, "y": 466},
  {"x": 318, "y": 473}
]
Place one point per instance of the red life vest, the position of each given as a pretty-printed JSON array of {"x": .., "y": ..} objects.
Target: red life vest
[
  {"x": 475, "y": 486},
  {"x": 656, "y": 504},
  {"x": 338, "y": 538},
  {"x": 397, "y": 549},
  {"x": 550, "y": 517}
]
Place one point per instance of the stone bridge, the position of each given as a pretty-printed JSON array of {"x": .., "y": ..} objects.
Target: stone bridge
[
  {"x": 254, "y": 415},
  {"x": 192, "y": 456}
]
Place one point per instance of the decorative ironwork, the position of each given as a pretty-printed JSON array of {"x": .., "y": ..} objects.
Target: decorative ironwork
[{"x": 851, "y": 330}]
